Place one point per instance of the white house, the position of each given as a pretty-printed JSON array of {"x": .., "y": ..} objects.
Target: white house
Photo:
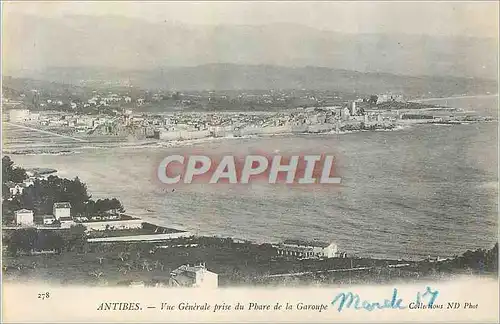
[
  {"x": 62, "y": 210},
  {"x": 48, "y": 219},
  {"x": 66, "y": 222},
  {"x": 194, "y": 276},
  {"x": 345, "y": 113},
  {"x": 24, "y": 217},
  {"x": 28, "y": 182},
  {"x": 307, "y": 250},
  {"x": 137, "y": 284},
  {"x": 389, "y": 97},
  {"x": 354, "y": 110},
  {"x": 16, "y": 189},
  {"x": 81, "y": 219}
]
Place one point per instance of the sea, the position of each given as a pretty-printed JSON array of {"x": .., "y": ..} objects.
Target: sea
[{"x": 411, "y": 193}]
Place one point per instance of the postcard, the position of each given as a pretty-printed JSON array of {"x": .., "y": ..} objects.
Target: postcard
[{"x": 250, "y": 161}]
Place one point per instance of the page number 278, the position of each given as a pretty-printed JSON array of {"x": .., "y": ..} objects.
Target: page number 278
[{"x": 43, "y": 296}]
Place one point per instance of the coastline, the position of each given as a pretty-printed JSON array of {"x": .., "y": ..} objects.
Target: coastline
[
  {"x": 66, "y": 145},
  {"x": 31, "y": 150},
  {"x": 455, "y": 97},
  {"x": 189, "y": 225}
]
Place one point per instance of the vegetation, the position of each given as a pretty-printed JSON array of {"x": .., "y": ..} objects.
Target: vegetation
[
  {"x": 11, "y": 173},
  {"x": 32, "y": 240},
  {"x": 242, "y": 263},
  {"x": 41, "y": 196}
]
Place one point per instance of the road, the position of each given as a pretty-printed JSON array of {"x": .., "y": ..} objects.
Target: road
[
  {"x": 400, "y": 265},
  {"x": 317, "y": 271}
]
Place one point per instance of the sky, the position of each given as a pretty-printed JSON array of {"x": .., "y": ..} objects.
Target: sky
[{"x": 474, "y": 18}]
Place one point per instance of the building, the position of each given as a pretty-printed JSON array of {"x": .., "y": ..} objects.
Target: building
[
  {"x": 194, "y": 276},
  {"x": 307, "y": 250},
  {"x": 28, "y": 182},
  {"x": 15, "y": 188},
  {"x": 113, "y": 224},
  {"x": 388, "y": 98},
  {"x": 24, "y": 217},
  {"x": 18, "y": 115},
  {"x": 339, "y": 112},
  {"x": 81, "y": 219},
  {"x": 48, "y": 219},
  {"x": 66, "y": 222},
  {"x": 137, "y": 284},
  {"x": 345, "y": 113},
  {"x": 61, "y": 210},
  {"x": 353, "y": 109}
]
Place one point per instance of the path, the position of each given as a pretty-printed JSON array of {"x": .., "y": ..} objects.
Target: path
[{"x": 317, "y": 271}]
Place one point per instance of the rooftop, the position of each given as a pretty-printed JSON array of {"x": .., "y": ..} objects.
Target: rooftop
[
  {"x": 24, "y": 211},
  {"x": 11, "y": 184},
  {"x": 62, "y": 205},
  {"x": 186, "y": 269}
]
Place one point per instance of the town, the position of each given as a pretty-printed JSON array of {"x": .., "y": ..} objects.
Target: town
[
  {"x": 132, "y": 115},
  {"x": 49, "y": 221}
]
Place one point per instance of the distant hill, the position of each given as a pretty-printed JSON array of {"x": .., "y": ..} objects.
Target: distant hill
[
  {"x": 265, "y": 77},
  {"x": 35, "y": 43},
  {"x": 13, "y": 87}
]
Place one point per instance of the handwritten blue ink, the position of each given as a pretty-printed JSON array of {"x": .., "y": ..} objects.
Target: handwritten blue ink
[
  {"x": 348, "y": 299},
  {"x": 433, "y": 297}
]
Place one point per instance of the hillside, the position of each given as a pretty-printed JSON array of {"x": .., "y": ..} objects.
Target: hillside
[
  {"x": 36, "y": 43},
  {"x": 264, "y": 77}
]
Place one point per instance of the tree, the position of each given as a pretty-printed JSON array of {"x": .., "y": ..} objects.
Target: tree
[
  {"x": 102, "y": 206},
  {"x": 491, "y": 259},
  {"x": 9, "y": 173},
  {"x": 373, "y": 99},
  {"x": 8, "y": 209},
  {"x": 116, "y": 206},
  {"x": 78, "y": 196},
  {"x": 44, "y": 193},
  {"x": 49, "y": 240},
  {"x": 22, "y": 240},
  {"x": 6, "y": 168},
  {"x": 5, "y": 191},
  {"x": 76, "y": 238}
]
